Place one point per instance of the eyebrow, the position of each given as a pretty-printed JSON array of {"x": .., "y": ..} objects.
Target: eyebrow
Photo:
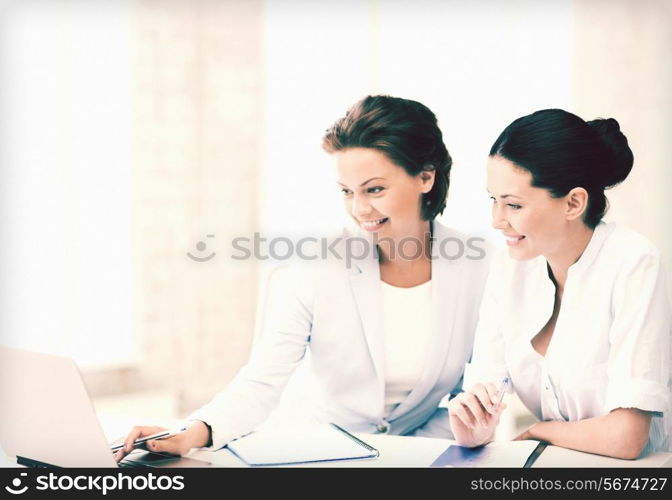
[
  {"x": 365, "y": 182},
  {"x": 506, "y": 195}
]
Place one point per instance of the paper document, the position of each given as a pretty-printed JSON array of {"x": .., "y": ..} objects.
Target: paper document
[
  {"x": 304, "y": 444},
  {"x": 495, "y": 454}
]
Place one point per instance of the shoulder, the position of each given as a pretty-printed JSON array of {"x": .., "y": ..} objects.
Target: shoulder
[
  {"x": 473, "y": 254},
  {"x": 328, "y": 256},
  {"x": 625, "y": 251},
  {"x": 451, "y": 244},
  {"x": 623, "y": 244},
  {"x": 507, "y": 271},
  {"x": 627, "y": 257}
]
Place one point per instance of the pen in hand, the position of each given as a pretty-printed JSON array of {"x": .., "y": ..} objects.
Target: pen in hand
[
  {"x": 503, "y": 386},
  {"x": 142, "y": 440}
]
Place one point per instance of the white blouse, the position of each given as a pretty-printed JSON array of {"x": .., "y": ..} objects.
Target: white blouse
[
  {"x": 611, "y": 345},
  {"x": 406, "y": 323}
]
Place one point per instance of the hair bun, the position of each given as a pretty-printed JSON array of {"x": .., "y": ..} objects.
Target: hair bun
[{"x": 619, "y": 158}]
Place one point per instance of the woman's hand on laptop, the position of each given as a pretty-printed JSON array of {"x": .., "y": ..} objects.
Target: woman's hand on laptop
[{"x": 196, "y": 435}]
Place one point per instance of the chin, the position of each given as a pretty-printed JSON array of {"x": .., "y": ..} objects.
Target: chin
[
  {"x": 381, "y": 233},
  {"x": 520, "y": 254}
]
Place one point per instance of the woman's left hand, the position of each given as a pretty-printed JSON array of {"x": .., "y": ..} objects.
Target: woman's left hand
[{"x": 526, "y": 434}]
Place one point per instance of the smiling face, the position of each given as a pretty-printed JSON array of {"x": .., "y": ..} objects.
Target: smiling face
[
  {"x": 533, "y": 222},
  {"x": 379, "y": 195}
]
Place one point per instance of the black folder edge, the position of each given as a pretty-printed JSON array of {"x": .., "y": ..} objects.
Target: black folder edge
[
  {"x": 374, "y": 453},
  {"x": 535, "y": 454}
]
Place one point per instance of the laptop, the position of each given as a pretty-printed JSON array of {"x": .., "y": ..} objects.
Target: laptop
[{"x": 47, "y": 418}]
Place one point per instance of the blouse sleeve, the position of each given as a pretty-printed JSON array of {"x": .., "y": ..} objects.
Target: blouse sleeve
[
  {"x": 638, "y": 366},
  {"x": 487, "y": 362}
]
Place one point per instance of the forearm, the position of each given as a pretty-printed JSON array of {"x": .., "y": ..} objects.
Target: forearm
[{"x": 623, "y": 433}]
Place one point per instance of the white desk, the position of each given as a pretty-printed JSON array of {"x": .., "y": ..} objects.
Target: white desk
[
  {"x": 401, "y": 451},
  {"x": 553, "y": 456}
]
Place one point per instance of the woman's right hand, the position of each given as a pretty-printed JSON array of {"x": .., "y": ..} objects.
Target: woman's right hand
[
  {"x": 197, "y": 435},
  {"x": 473, "y": 417}
]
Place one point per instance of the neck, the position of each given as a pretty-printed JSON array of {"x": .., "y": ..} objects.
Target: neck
[
  {"x": 573, "y": 246},
  {"x": 407, "y": 251}
]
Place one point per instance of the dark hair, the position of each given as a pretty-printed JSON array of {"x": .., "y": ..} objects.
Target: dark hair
[
  {"x": 407, "y": 132},
  {"x": 563, "y": 152}
]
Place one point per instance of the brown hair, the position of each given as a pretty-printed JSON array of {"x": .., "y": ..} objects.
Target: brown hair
[{"x": 407, "y": 132}]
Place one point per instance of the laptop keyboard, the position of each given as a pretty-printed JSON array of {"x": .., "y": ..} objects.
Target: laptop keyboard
[{"x": 129, "y": 465}]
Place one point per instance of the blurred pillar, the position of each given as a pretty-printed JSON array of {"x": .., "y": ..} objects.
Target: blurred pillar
[
  {"x": 197, "y": 108},
  {"x": 622, "y": 53}
]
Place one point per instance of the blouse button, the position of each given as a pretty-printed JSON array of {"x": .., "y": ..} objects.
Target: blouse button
[{"x": 383, "y": 427}]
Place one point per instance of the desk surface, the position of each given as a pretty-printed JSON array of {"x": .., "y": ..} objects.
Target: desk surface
[
  {"x": 554, "y": 456},
  {"x": 402, "y": 451}
]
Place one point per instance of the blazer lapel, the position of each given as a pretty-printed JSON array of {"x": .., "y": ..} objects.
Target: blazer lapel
[{"x": 365, "y": 283}]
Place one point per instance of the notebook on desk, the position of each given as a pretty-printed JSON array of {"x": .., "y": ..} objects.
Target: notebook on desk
[{"x": 300, "y": 445}]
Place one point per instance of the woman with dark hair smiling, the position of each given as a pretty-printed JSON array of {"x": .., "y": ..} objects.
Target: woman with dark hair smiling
[
  {"x": 577, "y": 316},
  {"x": 390, "y": 334}
]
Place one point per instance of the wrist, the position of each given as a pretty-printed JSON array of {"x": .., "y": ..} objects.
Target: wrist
[
  {"x": 535, "y": 432},
  {"x": 200, "y": 432}
]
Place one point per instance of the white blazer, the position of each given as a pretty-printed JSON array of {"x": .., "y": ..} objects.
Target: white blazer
[
  {"x": 612, "y": 342},
  {"x": 333, "y": 312}
]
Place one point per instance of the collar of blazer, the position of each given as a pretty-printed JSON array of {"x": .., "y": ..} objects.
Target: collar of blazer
[{"x": 365, "y": 283}]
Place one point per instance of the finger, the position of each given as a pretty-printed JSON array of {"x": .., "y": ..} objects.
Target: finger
[
  {"x": 171, "y": 445},
  {"x": 460, "y": 412},
  {"x": 474, "y": 405},
  {"x": 498, "y": 411},
  {"x": 493, "y": 418},
  {"x": 481, "y": 392},
  {"x": 138, "y": 432},
  {"x": 135, "y": 433},
  {"x": 493, "y": 392}
]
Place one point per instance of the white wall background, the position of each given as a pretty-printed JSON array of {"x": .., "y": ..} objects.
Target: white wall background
[
  {"x": 66, "y": 273},
  {"x": 65, "y": 257},
  {"x": 621, "y": 54},
  {"x": 477, "y": 65}
]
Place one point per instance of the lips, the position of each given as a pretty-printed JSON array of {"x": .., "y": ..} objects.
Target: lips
[
  {"x": 512, "y": 240},
  {"x": 372, "y": 225}
]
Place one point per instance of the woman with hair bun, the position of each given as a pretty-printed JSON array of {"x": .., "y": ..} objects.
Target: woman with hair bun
[{"x": 576, "y": 318}]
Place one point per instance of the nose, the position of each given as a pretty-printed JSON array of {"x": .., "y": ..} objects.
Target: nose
[
  {"x": 498, "y": 219},
  {"x": 360, "y": 207}
]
